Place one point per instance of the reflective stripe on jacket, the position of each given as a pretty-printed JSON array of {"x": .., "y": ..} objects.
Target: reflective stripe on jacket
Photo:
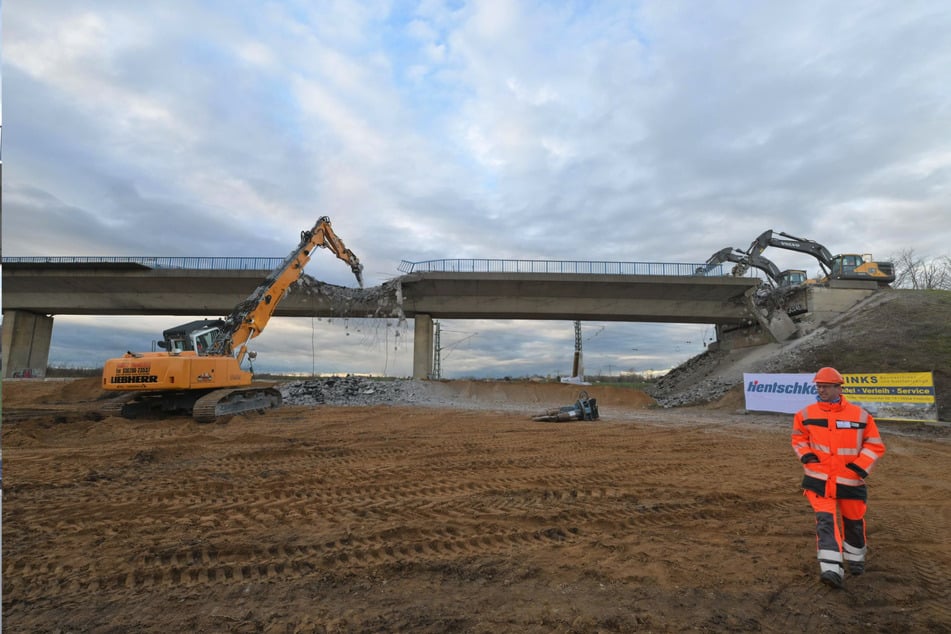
[{"x": 838, "y": 434}]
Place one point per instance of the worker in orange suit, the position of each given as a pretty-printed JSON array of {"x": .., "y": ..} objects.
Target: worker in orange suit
[{"x": 837, "y": 443}]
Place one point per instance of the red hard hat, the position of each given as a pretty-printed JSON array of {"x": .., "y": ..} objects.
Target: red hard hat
[{"x": 828, "y": 375}]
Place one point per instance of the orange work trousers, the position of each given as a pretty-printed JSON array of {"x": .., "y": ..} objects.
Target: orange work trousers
[{"x": 830, "y": 534}]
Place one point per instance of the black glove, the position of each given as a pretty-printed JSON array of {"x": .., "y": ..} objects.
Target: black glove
[
  {"x": 857, "y": 469},
  {"x": 809, "y": 458}
]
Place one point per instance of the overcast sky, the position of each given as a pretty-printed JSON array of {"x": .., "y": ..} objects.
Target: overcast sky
[{"x": 630, "y": 131}]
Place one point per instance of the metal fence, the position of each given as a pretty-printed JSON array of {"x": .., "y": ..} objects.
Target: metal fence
[
  {"x": 553, "y": 266},
  {"x": 193, "y": 263}
]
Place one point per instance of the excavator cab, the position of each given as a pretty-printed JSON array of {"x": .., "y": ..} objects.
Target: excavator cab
[
  {"x": 204, "y": 339},
  {"x": 195, "y": 335},
  {"x": 845, "y": 265},
  {"x": 792, "y": 277},
  {"x": 852, "y": 266}
]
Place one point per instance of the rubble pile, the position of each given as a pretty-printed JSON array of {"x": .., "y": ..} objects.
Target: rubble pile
[
  {"x": 356, "y": 390},
  {"x": 710, "y": 375},
  {"x": 694, "y": 382},
  {"x": 363, "y": 391},
  {"x": 353, "y": 390}
]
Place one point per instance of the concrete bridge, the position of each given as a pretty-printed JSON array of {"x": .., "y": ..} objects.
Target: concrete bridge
[{"x": 37, "y": 289}]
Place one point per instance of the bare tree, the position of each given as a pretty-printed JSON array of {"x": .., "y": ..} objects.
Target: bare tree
[{"x": 919, "y": 273}]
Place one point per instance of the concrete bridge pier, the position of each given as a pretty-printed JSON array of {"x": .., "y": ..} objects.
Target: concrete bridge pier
[
  {"x": 26, "y": 343},
  {"x": 423, "y": 346}
]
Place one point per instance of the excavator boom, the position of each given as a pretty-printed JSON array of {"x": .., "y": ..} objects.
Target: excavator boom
[
  {"x": 840, "y": 267},
  {"x": 249, "y": 318},
  {"x": 746, "y": 260},
  {"x": 792, "y": 243}
]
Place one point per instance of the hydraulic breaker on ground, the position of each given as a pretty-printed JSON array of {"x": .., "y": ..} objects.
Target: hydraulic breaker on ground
[{"x": 585, "y": 408}]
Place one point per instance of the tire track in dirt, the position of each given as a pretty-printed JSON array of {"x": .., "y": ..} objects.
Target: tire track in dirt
[
  {"x": 934, "y": 578},
  {"x": 417, "y": 520},
  {"x": 209, "y": 564},
  {"x": 922, "y": 564},
  {"x": 244, "y": 508}
]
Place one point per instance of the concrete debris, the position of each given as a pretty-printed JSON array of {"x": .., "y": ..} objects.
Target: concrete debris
[
  {"x": 385, "y": 300},
  {"x": 698, "y": 381},
  {"x": 362, "y": 391},
  {"x": 710, "y": 375},
  {"x": 355, "y": 390}
]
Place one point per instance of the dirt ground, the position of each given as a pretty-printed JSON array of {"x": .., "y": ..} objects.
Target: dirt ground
[{"x": 423, "y": 519}]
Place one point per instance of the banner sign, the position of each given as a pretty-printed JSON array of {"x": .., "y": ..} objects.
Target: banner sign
[
  {"x": 786, "y": 393},
  {"x": 900, "y": 396}
]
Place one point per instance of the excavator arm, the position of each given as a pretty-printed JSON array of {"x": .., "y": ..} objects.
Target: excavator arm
[
  {"x": 715, "y": 260},
  {"x": 792, "y": 243},
  {"x": 249, "y": 317},
  {"x": 743, "y": 262},
  {"x": 766, "y": 266}
]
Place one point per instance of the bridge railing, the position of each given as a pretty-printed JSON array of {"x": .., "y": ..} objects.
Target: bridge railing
[
  {"x": 472, "y": 265},
  {"x": 553, "y": 266},
  {"x": 194, "y": 263}
]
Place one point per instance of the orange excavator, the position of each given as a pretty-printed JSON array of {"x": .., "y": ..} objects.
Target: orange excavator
[{"x": 199, "y": 370}]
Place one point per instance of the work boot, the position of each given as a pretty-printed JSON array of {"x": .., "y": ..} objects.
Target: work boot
[
  {"x": 831, "y": 579},
  {"x": 856, "y": 568}
]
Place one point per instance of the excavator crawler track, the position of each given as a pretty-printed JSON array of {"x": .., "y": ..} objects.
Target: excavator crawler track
[
  {"x": 114, "y": 406},
  {"x": 231, "y": 401}
]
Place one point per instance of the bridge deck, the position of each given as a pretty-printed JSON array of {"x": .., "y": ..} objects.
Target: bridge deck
[{"x": 126, "y": 289}]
